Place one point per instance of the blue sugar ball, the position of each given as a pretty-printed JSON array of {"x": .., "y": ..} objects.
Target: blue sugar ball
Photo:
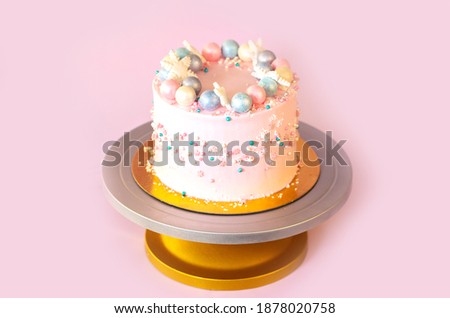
[
  {"x": 241, "y": 103},
  {"x": 163, "y": 73},
  {"x": 209, "y": 100},
  {"x": 193, "y": 82},
  {"x": 196, "y": 63},
  {"x": 230, "y": 48},
  {"x": 182, "y": 52},
  {"x": 266, "y": 57},
  {"x": 269, "y": 85}
]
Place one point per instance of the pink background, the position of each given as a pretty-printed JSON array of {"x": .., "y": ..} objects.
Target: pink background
[{"x": 75, "y": 75}]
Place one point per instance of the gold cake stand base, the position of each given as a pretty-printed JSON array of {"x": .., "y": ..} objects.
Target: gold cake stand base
[{"x": 225, "y": 266}]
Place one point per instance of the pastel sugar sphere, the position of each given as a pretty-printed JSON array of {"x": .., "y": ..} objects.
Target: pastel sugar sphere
[
  {"x": 185, "y": 95},
  {"x": 245, "y": 53},
  {"x": 269, "y": 85},
  {"x": 241, "y": 103},
  {"x": 182, "y": 52},
  {"x": 257, "y": 94},
  {"x": 196, "y": 63},
  {"x": 168, "y": 88},
  {"x": 209, "y": 100},
  {"x": 162, "y": 74},
  {"x": 212, "y": 52},
  {"x": 285, "y": 72},
  {"x": 264, "y": 67},
  {"x": 193, "y": 82},
  {"x": 266, "y": 57},
  {"x": 230, "y": 48},
  {"x": 280, "y": 62}
]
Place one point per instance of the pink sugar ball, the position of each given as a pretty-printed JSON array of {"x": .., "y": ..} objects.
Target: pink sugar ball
[
  {"x": 257, "y": 93},
  {"x": 280, "y": 62},
  {"x": 212, "y": 52},
  {"x": 168, "y": 89}
]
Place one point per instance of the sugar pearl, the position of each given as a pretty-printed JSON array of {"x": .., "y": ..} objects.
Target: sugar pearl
[
  {"x": 257, "y": 93},
  {"x": 196, "y": 63},
  {"x": 185, "y": 95},
  {"x": 212, "y": 52},
  {"x": 241, "y": 103},
  {"x": 230, "y": 48},
  {"x": 269, "y": 85},
  {"x": 168, "y": 89},
  {"x": 245, "y": 53},
  {"x": 209, "y": 100},
  {"x": 193, "y": 82}
]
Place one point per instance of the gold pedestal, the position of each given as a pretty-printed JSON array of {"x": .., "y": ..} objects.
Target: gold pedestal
[{"x": 225, "y": 266}]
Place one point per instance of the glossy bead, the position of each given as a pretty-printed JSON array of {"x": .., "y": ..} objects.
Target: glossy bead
[
  {"x": 168, "y": 88},
  {"x": 193, "y": 82},
  {"x": 280, "y": 62},
  {"x": 285, "y": 72},
  {"x": 266, "y": 57},
  {"x": 209, "y": 100},
  {"x": 182, "y": 52},
  {"x": 196, "y": 63},
  {"x": 257, "y": 94},
  {"x": 185, "y": 95},
  {"x": 245, "y": 53},
  {"x": 230, "y": 48},
  {"x": 264, "y": 67},
  {"x": 212, "y": 52},
  {"x": 162, "y": 74},
  {"x": 269, "y": 85},
  {"x": 241, "y": 103}
]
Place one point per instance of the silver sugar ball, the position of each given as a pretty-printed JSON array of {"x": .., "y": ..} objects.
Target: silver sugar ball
[
  {"x": 193, "y": 82},
  {"x": 264, "y": 67},
  {"x": 266, "y": 57},
  {"x": 196, "y": 63}
]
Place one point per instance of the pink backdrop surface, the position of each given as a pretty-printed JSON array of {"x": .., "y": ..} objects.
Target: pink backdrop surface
[{"x": 76, "y": 74}]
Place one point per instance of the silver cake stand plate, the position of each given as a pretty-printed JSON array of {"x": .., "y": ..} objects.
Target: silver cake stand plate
[
  {"x": 320, "y": 203},
  {"x": 226, "y": 252}
]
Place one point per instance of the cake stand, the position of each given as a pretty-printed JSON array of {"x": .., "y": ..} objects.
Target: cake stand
[{"x": 227, "y": 252}]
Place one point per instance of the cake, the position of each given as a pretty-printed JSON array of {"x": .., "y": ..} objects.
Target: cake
[{"x": 225, "y": 122}]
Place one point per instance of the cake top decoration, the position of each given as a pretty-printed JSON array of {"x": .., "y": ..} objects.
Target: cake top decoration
[{"x": 218, "y": 77}]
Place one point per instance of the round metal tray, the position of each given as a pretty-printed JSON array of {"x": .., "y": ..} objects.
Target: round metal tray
[{"x": 328, "y": 195}]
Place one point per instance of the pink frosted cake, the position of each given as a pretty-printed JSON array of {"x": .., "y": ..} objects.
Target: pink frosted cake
[{"x": 224, "y": 122}]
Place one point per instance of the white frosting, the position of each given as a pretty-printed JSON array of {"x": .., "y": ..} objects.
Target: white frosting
[{"x": 226, "y": 182}]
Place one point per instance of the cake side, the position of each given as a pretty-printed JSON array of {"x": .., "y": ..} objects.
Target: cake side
[{"x": 233, "y": 151}]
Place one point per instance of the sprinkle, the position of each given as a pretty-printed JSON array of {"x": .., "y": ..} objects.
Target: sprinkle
[
  {"x": 191, "y": 142},
  {"x": 237, "y": 64},
  {"x": 183, "y": 193},
  {"x": 160, "y": 134},
  {"x": 205, "y": 70},
  {"x": 240, "y": 170},
  {"x": 211, "y": 158},
  {"x": 277, "y": 139},
  {"x": 157, "y": 71},
  {"x": 267, "y": 106},
  {"x": 169, "y": 147},
  {"x": 251, "y": 142},
  {"x": 281, "y": 144},
  {"x": 228, "y": 118},
  {"x": 198, "y": 110}
]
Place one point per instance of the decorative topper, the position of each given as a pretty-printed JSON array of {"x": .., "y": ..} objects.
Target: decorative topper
[
  {"x": 222, "y": 93},
  {"x": 177, "y": 69}
]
